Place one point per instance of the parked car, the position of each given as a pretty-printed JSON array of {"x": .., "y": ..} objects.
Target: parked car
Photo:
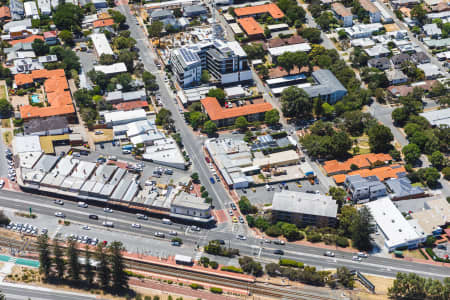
[
  {"x": 241, "y": 220},
  {"x": 211, "y": 179}
]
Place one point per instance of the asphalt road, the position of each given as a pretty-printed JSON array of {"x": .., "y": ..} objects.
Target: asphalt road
[
  {"x": 192, "y": 143},
  {"x": 251, "y": 247},
  {"x": 22, "y": 292}
]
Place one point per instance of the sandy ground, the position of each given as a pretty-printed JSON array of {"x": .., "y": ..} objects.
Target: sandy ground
[{"x": 381, "y": 288}]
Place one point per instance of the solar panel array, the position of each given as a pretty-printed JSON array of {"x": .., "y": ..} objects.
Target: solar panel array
[{"x": 188, "y": 56}]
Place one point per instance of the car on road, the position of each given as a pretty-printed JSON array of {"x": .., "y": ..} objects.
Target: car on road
[
  {"x": 241, "y": 220},
  {"x": 267, "y": 241},
  {"x": 108, "y": 210},
  {"x": 233, "y": 206},
  {"x": 44, "y": 230},
  {"x": 241, "y": 237},
  {"x": 230, "y": 212},
  {"x": 59, "y": 214},
  {"x": 93, "y": 217},
  {"x": 278, "y": 252},
  {"x": 211, "y": 179},
  {"x": 58, "y": 201},
  {"x": 82, "y": 204},
  {"x": 195, "y": 228},
  {"x": 160, "y": 234},
  {"x": 235, "y": 220},
  {"x": 173, "y": 232},
  {"x": 279, "y": 242},
  {"x": 126, "y": 152},
  {"x": 136, "y": 225},
  {"x": 356, "y": 258},
  {"x": 108, "y": 224},
  {"x": 176, "y": 243},
  {"x": 85, "y": 227},
  {"x": 141, "y": 217},
  {"x": 363, "y": 255},
  {"x": 329, "y": 253}
]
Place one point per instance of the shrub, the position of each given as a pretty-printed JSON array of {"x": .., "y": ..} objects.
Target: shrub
[
  {"x": 342, "y": 241},
  {"x": 216, "y": 290},
  {"x": 204, "y": 261},
  {"x": 273, "y": 231},
  {"x": 290, "y": 263},
  {"x": 314, "y": 237},
  {"x": 196, "y": 286},
  {"x": 213, "y": 264},
  {"x": 232, "y": 269}
]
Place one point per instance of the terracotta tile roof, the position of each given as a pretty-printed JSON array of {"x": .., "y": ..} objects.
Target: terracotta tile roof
[
  {"x": 56, "y": 88},
  {"x": 382, "y": 173},
  {"x": 4, "y": 12},
  {"x": 340, "y": 9},
  {"x": 275, "y": 42},
  {"x": 405, "y": 11},
  {"x": 103, "y": 23},
  {"x": 131, "y": 105},
  {"x": 23, "y": 79},
  {"x": 217, "y": 112},
  {"x": 50, "y": 34},
  {"x": 362, "y": 161},
  {"x": 369, "y": 6},
  {"x": 295, "y": 39},
  {"x": 278, "y": 72},
  {"x": 28, "y": 39},
  {"x": 250, "y": 26},
  {"x": 404, "y": 90},
  {"x": 271, "y": 8}
]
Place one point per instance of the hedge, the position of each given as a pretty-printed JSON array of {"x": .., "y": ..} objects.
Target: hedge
[
  {"x": 232, "y": 269},
  {"x": 213, "y": 264},
  {"x": 290, "y": 263},
  {"x": 279, "y": 135},
  {"x": 423, "y": 254},
  {"x": 342, "y": 241},
  {"x": 196, "y": 286},
  {"x": 435, "y": 257},
  {"x": 216, "y": 290}
]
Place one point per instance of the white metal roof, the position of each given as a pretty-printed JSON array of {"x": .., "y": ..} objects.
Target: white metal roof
[
  {"x": 101, "y": 44},
  {"x": 277, "y": 51}
]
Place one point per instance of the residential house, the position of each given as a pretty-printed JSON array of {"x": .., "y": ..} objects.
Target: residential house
[
  {"x": 111, "y": 70},
  {"x": 362, "y": 30},
  {"x": 304, "y": 209},
  {"x": 51, "y": 37},
  {"x": 382, "y": 63},
  {"x": 374, "y": 12},
  {"x": 327, "y": 87},
  {"x": 342, "y": 13},
  {"x": 377, "y": 51},
  {"x": 227, "y": 116},
  {"x": 161, "y": 14},
  {"x": 362, "y": 161},
  {"x": 101, "y": 44},
  {"x": 103, "y": 24},
  {"x": 364, "y": 189},
  {"x": 45, "y": 7},
  {"x": 396, "y": 76},
  {"x": 16, "y": 9},
  {"x": 275, "y": 52},
  {"x": 17, "y": 25},
  {"x": 431, "y": 71},
  {"x": 31, "y": 10},
  {"x": 382, "y": 173},
  {"x": 399, "y": 60},
  {"x": 251, "y": 28},
  {"x": 194, "y": 11},
  {"x": 119, "y": 96},
  {"x": 253, "y": 11},
  {"x": 432, "y": 30},
  {"x": 404, "y": 3},
  {"x": 114, "y": 118},
  {"x": 420, "y": 58},
  {"x": 5, "y": 14},
  {"x": 402, "y": 189},
  {"x": 400, "y": 90}
]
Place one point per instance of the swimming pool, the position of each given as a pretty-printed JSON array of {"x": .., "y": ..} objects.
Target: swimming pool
[{"x": 35, "y": 99}]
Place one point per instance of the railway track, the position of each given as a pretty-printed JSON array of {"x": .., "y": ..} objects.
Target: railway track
[{"x": 213, "y": 279}]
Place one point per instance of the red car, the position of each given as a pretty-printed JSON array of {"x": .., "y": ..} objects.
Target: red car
[{"x": 207, "y": 159}]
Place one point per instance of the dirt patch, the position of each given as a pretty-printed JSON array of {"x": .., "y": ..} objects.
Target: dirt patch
[
  {"x": 381, "y": 287},
  {"x": 413, "y": 253},
  {"x": 2, "y": 92},
  {"x": 107, "y": 136},
  {"x": 17, "y": 101},
  {"x": 6, "y": 123},
  {"x": 7, "y": 138}
]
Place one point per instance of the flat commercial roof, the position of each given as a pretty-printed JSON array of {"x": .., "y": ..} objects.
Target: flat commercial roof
[
  {"x": 305, "y": 203},
  {"x": 26, "y": 144},
  {"x": 66, "y": 165},
  {"x": 101, "y": 44},
  {"x": 84, "y": 169},
  {"x": 303, "y": 47}
]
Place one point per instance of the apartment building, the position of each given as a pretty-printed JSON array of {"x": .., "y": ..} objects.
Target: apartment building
[{"x": 374, "y": 12}]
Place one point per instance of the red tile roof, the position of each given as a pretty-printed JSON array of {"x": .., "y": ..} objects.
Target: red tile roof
[
  {"x": 4, "y": 12},
  {"x": 250, "y": 26},
  {"x": 271, "y": 8},
  {"x": 50, "y": 34},
  {"x": 362, "y": 161},
  {"x": 130, "y": 105},
  {"x": 28, "y": 39},
  {"x": 382, "y": 173},
  {"x": 103, "y": 23},
  {"x": 216, "y": 112}
]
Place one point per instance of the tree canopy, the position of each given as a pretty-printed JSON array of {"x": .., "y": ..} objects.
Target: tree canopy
[
  {"x": 380, "y": 138},
  {"x": 295, "y": 103},
  {"x": 68, "y": 16}
]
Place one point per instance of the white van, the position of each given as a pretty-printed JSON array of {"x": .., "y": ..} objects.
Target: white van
[
  {"x": 166, "y": 221},
  {"x": 82, "y": 204}
]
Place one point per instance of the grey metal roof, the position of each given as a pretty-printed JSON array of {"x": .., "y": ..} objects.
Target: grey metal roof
[
  {"x": 161, "y": 13},
  {"x": 380, "y": 63},
  {"x": 38, "y": 125},
  {"x": 438, "y": 117},
  {"x": 104, "y": 172},
  {"x": 304, "y": 203},
  {"x": 122, "y": 187},
  {"x": 134, "y": 95},
  {"x": 194, "y": 9},
  {"x": 189, "y": 201},
  {"x": 327, "y": 84},
  {"x": 46, "y": 162},
  {"x": 402, "y": 187}
]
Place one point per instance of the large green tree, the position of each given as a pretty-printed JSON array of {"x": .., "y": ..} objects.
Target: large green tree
[
  {"x": 380, "y": 138},
  {"x": 272, "y": 117},
  {"x": 103, "y": 270},
  {"x": 58, "y": 259},
  {"x": 40, "y": 47},
  {"x": 241, "y": 123},
  {"x": 68, "y": 17},
  {"x": 45, "y": 262},
  {"x": 362, "y": 227},
  {"x": 155, "y": 29},
  {"x": 119, "y": 277},
  {"x": 73, "y": 262},
  {"x": 217, "y": 93},
  {"x": 295, "y": 103},
  {"x": 411, "y": 153},
  {"x": 287, "y": 61},
  {"x": 210, "y": 127},
  {"x": 5, "y": 108}
]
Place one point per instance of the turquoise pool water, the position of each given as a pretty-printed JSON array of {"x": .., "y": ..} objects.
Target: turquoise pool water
[
  {"x": 20, "y": 261},
  {"x": 35, "y": 99}
]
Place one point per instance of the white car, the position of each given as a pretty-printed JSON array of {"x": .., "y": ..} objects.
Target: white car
[
  {"x": 58, "y": 201},
  {"x": 2, "y": 183},
  {"x": 173, "y": 233},
  {"x": 241, "y": 237},
  {"x": 59, "y": 214},
  {"x": 356, "y": 258},
  {"x": 85, "y": 227},
  {"x": 362, "y": 255},
  {"x": 135, "y": 225},
  {"x": 108, "y": 210}
]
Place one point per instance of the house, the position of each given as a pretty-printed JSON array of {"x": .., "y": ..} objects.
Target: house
[
  {"x": 16, "y": 9},
  {"x": 402, "y": 189},
  {"x": 132, "y": 105},
  {"x": 431, "y": 70},
  {"x": 400, "y": 90},
  {"x": 119, "y": 96},
  {"x": 362, "y": 30},
  {"x": 111, "y": 70},
  {"x": 396, "y": 230},
  {"x": 50, "y": 126},
  {"x": 190, "y": 207},
  {"x": 194, "y": 11},
  {"x": 227, "y": 116},
  {"x": 342, "y": 13},
  {"x": 103, "y": 24},
  {"x": 420, "y": 58},
  {"x": 275, "y": 52},
  {"x": 327, "y": 87},
  {"x": 437, "y": 117},
  {"x": 51, "y": 37},
  {"x": 381, "y": 63},
  {"x": 161, "y": 14},
  {"x": 5, "y": 14},
  {"x": 364, "y": 189},
  {"x": 399, "y": 60},
  {"x": 377, "y": 51},
  {"x": 304, "y": 209},
  {"x": 396, "y": 76},
  {"x": 374, "y": 12},
  {"x": 362, "y": 161},
  {"x": 101, "y": 44},
  {"x": 114, "y": 118},
  {"x": 31, "y": 10},
  {"x": 432, "y": 30},
  {"x": 253, "y": 11},
  {"x": 45, "y": 7},
  {"x": 16, "y": 26},
  {"x": 404, "y": 3},
  {"x": 434, "y": 216},
  {"x": 251, "y": 28}
]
